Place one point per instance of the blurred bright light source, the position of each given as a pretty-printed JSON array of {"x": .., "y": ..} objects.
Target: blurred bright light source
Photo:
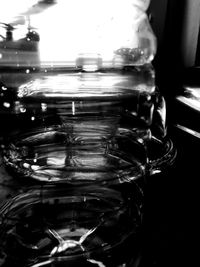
[
  {"x": 73, "y": 27},
  {"x": 9, "y": 9},
  {"x": 70, "y": 28}
]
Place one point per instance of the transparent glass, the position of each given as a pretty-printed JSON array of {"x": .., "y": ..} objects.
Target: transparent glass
[
  {"x": 87, "y": 34},
  {"x": 83, "y": 125},
  {"x": 78, "y": 88},
  {"x": 77, "y": 125},
  {"x": 84, "y": 226}
]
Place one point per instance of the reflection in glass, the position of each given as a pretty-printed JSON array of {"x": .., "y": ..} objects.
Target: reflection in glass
[
  {"x": 57, "y": 227},
  {"x": 55, "y": 33}
]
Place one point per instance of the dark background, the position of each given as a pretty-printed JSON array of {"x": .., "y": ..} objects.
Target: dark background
[{"x": 172, "y": 207}]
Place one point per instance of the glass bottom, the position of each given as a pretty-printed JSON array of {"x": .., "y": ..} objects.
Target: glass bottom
[{"x": 71, "y": 226}]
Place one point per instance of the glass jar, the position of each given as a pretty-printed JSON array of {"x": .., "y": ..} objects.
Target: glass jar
[
  {"x": 80, "y": 98},
  {"x": 77, "y": 86}
]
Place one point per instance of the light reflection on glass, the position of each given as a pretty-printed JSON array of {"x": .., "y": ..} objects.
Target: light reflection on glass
[
  {"x": 76, "y": 27},
  {"x": 76, "y": 21}
]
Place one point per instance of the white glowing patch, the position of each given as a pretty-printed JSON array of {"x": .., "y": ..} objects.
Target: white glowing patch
[
  {"x": 44, "y": 107},
  {"x": 73, "y": 27},
  {"x": 26, "y": 165},
  {"x": 73, "y": 108},
  {"x": 58, "y": 160},
  {"x": 100, "y": 264},
  {"x": 44, "y": 263},
  {"x": 35, "y": 167},
  {"x": 6, "y": 104},
  {"x": 68, "y": 29},
  {"x": 10, "y": 9},
  {"x": 22, "y": 109}
]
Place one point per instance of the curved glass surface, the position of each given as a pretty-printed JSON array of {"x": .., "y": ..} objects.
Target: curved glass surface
[
  {"x": 76, "y": 84},
  {"x": 78, "y": 89},
  {"x": 57, "y": 227}
]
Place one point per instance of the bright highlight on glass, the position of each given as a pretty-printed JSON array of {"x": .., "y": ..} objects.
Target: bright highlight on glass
[
  {"x": 115, "y": 31},
  {"x": 100, "y": 27}
]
